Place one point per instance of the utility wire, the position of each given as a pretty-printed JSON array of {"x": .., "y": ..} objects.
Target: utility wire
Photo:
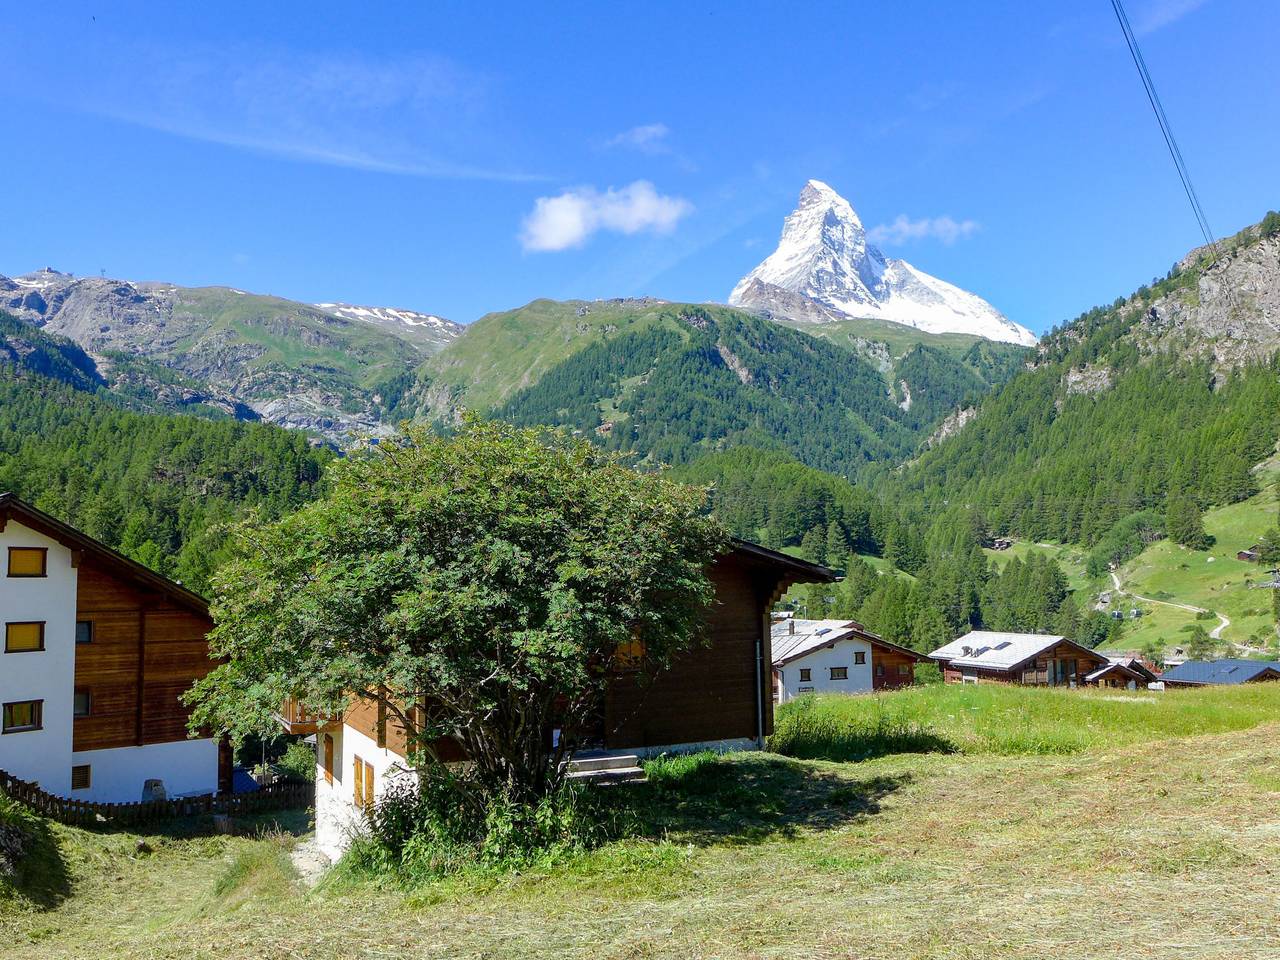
[{"x": 1163, "y": 120}]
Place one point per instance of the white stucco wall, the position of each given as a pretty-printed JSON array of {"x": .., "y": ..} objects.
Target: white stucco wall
[
  {"x": 819, "y": 663},
  {"x": 337, "y": 818},
  {"x": 43, "y": 756},
  {"x": 187, "y": 767}
]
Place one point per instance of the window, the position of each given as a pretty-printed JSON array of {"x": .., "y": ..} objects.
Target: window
[
  {"x": 81, "y": 777},
  {"x": 82, "y": 702},
  {"x": 84, "y": 631},
  {"x": 328, "y": 758},
  {"x": 23, "y": 715},
  {"x": 839, "y": 673},
  {"x": 904, "y": 669},
  {"x": 879, "y": 669},
  {"x": 28, "y": 562},
  {"x": 804, "y": 674},
  {"x": 362, "y": 791},
  {"x": 629, "y": 655},
  {"x": 859, "y": 657},
  {"x": 26, "y": 637}
]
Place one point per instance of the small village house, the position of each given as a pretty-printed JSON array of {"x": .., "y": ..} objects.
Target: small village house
[
  {"x": 1122, "y": 671},
  {"x": 716, "y": 695},
  {"x": 1203, "y": 673},
  {"x": 1033, "y": 659},
  {"x": 835, "y": 656},
  {"x": 97, "y": 651}
]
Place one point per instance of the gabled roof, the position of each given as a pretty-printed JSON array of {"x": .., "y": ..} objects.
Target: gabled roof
[
  {"x": 1117, "y": 667},
  {"x": 793, "y": 638},
  {"x": 797, "y": 568},
  {"x": 988, "y": 650},
  {"x": 11, "y": 507},
  {"x": 1222, "y": 671}
]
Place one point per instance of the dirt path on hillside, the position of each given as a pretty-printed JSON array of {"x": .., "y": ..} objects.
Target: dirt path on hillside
[{"x": 1214, "y": 634}]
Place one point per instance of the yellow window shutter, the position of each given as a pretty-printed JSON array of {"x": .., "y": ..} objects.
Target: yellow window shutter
[
  {"x": 368, "y": 785},
  {"x": 358, "y": 787},
  {"x": 21, "y": 637}
]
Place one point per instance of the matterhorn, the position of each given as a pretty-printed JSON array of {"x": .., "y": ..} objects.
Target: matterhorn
[{"x": 824, "y": 269}]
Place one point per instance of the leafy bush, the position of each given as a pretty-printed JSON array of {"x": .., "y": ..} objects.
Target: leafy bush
[
  {"x": 422, "y": 831},
  {"x": 1125, "y": 540},
  {"x": 299, "y": 762}
]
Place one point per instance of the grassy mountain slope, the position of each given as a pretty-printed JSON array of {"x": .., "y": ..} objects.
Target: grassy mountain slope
[{"x": 675, "y": 381}]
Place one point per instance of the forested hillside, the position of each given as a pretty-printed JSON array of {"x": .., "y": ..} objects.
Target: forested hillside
[
  {"x": 154, "y": 487},
  {"x": 1171, "y": 394}
]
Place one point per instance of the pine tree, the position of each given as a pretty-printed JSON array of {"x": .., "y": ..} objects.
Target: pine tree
[{"x": 1184, "y": 523}]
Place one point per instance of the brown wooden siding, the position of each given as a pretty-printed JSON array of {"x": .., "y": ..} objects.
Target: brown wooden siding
[
  {"x": 1033, "y": 673},
  {"x": 891, "y": 660},
  {"x": 145, "y": 653},
  {"x": 709, "y": 692}
]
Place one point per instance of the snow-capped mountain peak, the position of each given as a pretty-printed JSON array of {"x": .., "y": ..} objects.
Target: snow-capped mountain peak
[{"x": 824, "y": 257}]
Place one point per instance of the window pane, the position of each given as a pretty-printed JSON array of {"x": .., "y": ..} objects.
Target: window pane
[
  {"x": 23, "y": 715},
  {"x": 80, "y": 777},
  {"x": 27, "y": 561},
  {"x": 82, "y": 700},
  {"x": 19, "y": 637},
  {"x": 84, "y": 631}
]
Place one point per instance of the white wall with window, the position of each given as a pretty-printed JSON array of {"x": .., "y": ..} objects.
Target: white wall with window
[
  {"x": 844, "y": 667},
  {"x": 351, "y": 771},
  {"x": 37, "y": 665}
]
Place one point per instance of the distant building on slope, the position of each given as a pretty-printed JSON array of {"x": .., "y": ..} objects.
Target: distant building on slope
[
  {"x": 835, "y": 656},
  {"x": 1033, "y": 659},
  {"x": 1201, "y": 673}
]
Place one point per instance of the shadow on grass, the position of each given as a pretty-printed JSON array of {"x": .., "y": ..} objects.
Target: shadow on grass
[
  {"x": 36, "y": 871},
  {"x": 294, "y": 822},
  {"x": 707, "y": 799}
]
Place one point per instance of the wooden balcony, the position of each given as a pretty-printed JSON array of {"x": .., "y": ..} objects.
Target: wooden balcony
[{"x": 297, "y": 719}]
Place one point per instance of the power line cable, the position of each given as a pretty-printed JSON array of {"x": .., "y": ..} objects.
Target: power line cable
[{"x": 1166, "y": 130}]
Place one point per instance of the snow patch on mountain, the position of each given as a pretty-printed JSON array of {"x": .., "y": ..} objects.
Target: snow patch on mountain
[
  {"x": 824, "y": 257},
  {"x": 423, "y": 329}
]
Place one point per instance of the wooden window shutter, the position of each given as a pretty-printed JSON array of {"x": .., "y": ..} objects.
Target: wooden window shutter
[
  {"x": 358, "y": 787},
  {"x": 368, "y": 786},
  {"x": 23, "y": 637},
  {"x": 28, "y": 562},
  {"x": 328, "y": 758}
]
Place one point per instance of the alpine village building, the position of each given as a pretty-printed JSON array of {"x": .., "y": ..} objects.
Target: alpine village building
[
  {"x": 716, "y": 694},
  {"x": 97, "y": 652},
  {"x": 835, "y": 656},
  {"x": 1033, "y": 659}
]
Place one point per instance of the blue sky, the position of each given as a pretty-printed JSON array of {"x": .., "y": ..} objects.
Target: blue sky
[{"x": 460, "y": 159}]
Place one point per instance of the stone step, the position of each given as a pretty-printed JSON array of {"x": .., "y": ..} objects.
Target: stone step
[
  {"x": 603, "y": 761},
  {"x": 608, "y": 776}
]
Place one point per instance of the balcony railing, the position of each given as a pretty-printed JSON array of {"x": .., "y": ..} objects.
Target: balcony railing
[{"x": 295, "y": 718}]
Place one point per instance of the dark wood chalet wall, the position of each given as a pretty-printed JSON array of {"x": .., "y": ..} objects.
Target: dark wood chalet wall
[
  {"x": 891, "y": 660},
  {"x": 145, "y": 652},
  {"x": 709, "y": 693}
]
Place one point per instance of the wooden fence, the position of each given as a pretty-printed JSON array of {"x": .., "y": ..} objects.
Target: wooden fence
[{"x": 86, "y": 813}]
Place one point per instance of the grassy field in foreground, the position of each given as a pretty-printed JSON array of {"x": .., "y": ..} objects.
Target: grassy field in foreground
[
  {"x": 993, "y": 719},
  {"x": 1173, "y": 849}
]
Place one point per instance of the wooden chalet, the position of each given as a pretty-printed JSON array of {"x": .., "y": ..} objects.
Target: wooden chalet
[
  {"x": 98, "y": 651},
  {"x": 1032, "y": 659}
]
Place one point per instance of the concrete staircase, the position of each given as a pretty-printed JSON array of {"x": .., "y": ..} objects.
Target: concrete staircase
[{"x": 605, "y": 767}]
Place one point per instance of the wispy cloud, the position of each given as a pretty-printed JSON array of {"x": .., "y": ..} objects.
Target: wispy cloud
[
  {"x": 570, "y": 218},
  {"x": 903, "y": 230},
  {"x": 1160, "y": 13},
  {"x": 647, "y": 138},
  {"x": 415, "y": 116}
]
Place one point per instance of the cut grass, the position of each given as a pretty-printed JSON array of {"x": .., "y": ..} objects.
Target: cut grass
[{"x": 1127, "y": 850}]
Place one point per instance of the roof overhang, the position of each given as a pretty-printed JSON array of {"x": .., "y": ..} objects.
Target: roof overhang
[
  {"x": 782, "y": 564},
  {"x": 12, "y": 507}
]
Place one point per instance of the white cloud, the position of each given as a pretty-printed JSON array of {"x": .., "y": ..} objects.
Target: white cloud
[
  {"x": 903, "y": 229},
  {"x": 567, "y": 220},
  {"x": 647, "y": 138},
  {"x": 1161, "y": 13}
]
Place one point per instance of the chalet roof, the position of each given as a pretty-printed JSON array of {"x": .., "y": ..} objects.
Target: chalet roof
[
  {"x": 988, "y": 650},
  {"x": 763, "y": 556},
  {"x": 12, "y": 507},
  {"x": 1115, "y": 666},
  {"x": 1221, "y": 671},
  {"x": 793, "y": 638}
]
